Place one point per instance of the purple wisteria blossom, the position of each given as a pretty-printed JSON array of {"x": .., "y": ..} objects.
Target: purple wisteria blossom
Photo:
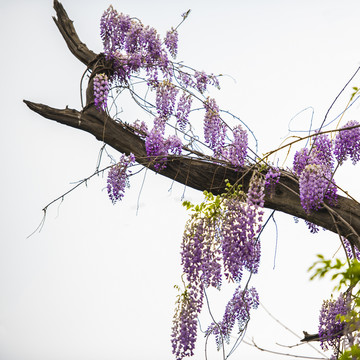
[
  {"x": 183, "y": 110},
  {"x": 200, "y": 254},
  {"x": 101, "y": 91},
  {"x": 241, "y": 224},
  {"x": 214, "y": 127},
  {"x": 313, "y": 186},
  {"x": 186, "y": 80},
  {"x": 141, "y": 127},
  {"x": 118, "y": 177},
  {"x": 173, "y": 145},
  {"x": 347, "y": 143},
  {"x": 238, "y": 149},
  {"x": 224, "y": 236},
  {"x": 165, "y": 99},
  {"x": 255, "y": 195},
  {"x": 301, "y": 159},
  {"x": 184, "y": 329},
  {"x": 237, "y": 310},
  {"x": 272, "y": 177},
  {"x": 350, "y": 250},
  {"x": 330, "y": 326},
  {"x": 314, "y": 229},
  {"x": 200, "y": 258},
  {"x": 202, "y": 81},
  {"x": 157, "y": 147},
  {"x": 113, "y": 30},
  {"x": 131, "y": 46},
  {"x": 171, "y": 42},
  {"x": 314, "y": 169},
  {"x": 322, "y": 152}
]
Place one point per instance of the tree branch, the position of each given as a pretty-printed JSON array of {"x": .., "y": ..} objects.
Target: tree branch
[
  {"x": 67, "y": 30},
  {"x": 197, "y": 173}
]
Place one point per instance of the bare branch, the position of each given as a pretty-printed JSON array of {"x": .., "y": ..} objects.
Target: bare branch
[{"x": 67, "y": 30}]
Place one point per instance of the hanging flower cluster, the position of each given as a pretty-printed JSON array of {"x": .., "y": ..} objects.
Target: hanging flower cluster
[
  {"x": 118, "y": 177},
  {"x": 351, "y": 250},
  {"x": 101, "y": 91},
  {"x": 133, "y": 48},
  {"x": 347, "y": 143},
  {"x": 272, "y": 177},
  {"x": 238, "y": 149},
  {"x": 184, "y": 330},
  {"x": 237, "y": 310},
  {"x": 221, "y": 236},
  {"x": 331, "y": 327},
  {"x": 171, "y": 42},
  {"x": 314, "y": 169}
]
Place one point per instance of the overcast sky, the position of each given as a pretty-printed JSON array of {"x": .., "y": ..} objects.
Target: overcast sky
[{"x": 97, "y": 281}]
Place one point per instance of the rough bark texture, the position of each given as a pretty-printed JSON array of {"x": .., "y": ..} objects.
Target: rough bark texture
[{"x": 198, "y": 173}]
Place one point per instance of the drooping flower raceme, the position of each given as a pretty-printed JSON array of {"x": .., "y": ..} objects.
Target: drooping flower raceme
[
  {"x": 237, "y": 309},
  {"x": 200, "y": 258},
  {"x": 200, "y": 254},
  {"x": 171, "y": 42},
  {"x": 351, "y": 250},
  {"x": 314, "y": 229},
  {"x": 241, "y": 224},
  {"x": 301, "y": 159},
  {"x": 330, "y": 325},
  {"x": 314, "y": 169},
  {"x": 201, "y": 81},
  {"x": 313, "y": 186},
  {"x": 184, "y": 329},
  {"x": 165, "y": 99},
  {"x": 142, "y": 128},
  {"x": 240, "y": 249},
  {"x": 272, "y": 177},
  {"x": 214, "y": 127},
  {"x": 173, "y": 145},
  {"x": 322, "y": 152},
  {"x": 347, "y": 143},
  {"x": 118, "y": 177},
  {"x": 131, "y": 46},
  {"x": 101, "y": 91},
  {"x": 219, "y": 234},
  {"x": 157, "y": 147},
  {"x": 183, "y": 110},
  {"x": 238, "y": 149}
]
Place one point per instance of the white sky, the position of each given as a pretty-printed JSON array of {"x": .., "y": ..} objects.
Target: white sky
[{"x": 97, "y": 281}]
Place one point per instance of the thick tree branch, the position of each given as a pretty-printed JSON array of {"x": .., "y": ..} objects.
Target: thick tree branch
[
  {"x": 201, "y": 174},
  {"x": 197, "y": 173},
  {"x": 67, "y": 30}
]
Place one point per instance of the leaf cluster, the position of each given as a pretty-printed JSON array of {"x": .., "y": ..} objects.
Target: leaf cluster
[{"x": 212, "y": 205}]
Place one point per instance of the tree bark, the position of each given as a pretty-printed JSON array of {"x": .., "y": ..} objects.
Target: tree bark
[{"x": 196, "y": 172}]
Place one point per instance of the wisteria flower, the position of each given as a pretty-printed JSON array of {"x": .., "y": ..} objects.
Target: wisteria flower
[
  {"x": 183, "y": 110},
  {"x": 171, "y": 42},
  {"x": 238, "y": 149},
  {"x": 237, "y": 310},
  {"x": 118, "y": 177},
  {"x": 214, "y": 127},
  {"x": 330, "y": 325},
  {"x": 272, "y": 177},
  {"x": 313, "y": 186},
  {"x": 101, "y": 91},
  {"x": 165, "y": 99},
  {"x": 347, "y": 143}
]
